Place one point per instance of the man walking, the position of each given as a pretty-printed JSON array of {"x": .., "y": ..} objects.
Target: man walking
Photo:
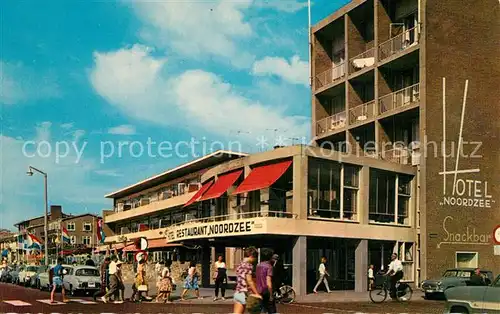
[
  {"x": 104, "y": 278},
  {"x": 323, "y": 276},
  {"x": 56, "y": 279},
  {"x": 114, "y": 281},
  {"x": 264, "y": 275}
]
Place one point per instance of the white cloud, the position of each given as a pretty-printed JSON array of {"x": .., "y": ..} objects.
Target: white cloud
[
  {"x": 296, "y": 71},
  {"x": 289, "y": 6},
  {"x": 200, "y": 101},
  {"x": 109, "y": 173},
  {"x": 67, "y": 126},
  {"x": 23, "y": 196},
  {"x": 19, "y": 84},
  {"x": 124, "y": 129},
  {"x": 197, "y": 29}
]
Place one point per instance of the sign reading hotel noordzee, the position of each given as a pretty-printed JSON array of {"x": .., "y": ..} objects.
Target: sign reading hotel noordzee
[{"x": 213, "y": 229}]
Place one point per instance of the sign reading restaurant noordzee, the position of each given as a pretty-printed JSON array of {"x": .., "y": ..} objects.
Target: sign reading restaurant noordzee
[{"x": 214, "y": 229}]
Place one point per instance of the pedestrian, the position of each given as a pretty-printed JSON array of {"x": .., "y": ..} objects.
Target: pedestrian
[
  {"x": 323, "y": 276},
  {"x": 164, "y": 286},
  {"x": 371, "y": 278},
  {"x": 140, "y": 281},
  {"x": 245, "y": 285},
  {"x": 89, "y": 261},
  {"x": 191, "y": 282},
  {"x": 104, "y": 278},
  {"x": 476, "y": 279},
  {"x": 278, "y": 272},
  {"x": 264, "y": 280},
  {"x": 114, "y": 281},
  {"x": 220, "y": 277},
  {"x": 56, "y": 279},
  {"x": 121, "y": 285}
]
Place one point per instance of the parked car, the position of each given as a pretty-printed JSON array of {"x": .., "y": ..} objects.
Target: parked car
[
  {"x": 82, "y": 279},
  {"x": 455, "y": 277},
  {"x": 15, "y": 274},
  {"x": 26, "y": 274},
  {"x": 44, "y": 278},
  {"x": 34, "y": 282},
  {"x": 474, "y": 299},
  {"x": 6, "y": 275}
]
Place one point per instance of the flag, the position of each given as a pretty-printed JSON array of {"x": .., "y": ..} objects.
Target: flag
[
  {"x": 65, "y": 235},
  {"x": 100, "y": 232},
  {"x": 34, "y": 242},
  {"x": 143, "y": 227},
  {"x": 20, "y": 241}
]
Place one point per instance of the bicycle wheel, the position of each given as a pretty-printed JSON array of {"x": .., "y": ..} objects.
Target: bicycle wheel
[
  {"x": 405, "y": 293},
  {"x": 287, "y": 295},
  {"x": 378, "y": 295}
]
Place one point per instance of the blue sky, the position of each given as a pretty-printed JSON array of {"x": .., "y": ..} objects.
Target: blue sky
[{"x": 81, "y": 77}]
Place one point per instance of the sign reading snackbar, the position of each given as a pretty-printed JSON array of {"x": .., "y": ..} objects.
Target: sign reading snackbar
[{"x": 214, "y": 229}]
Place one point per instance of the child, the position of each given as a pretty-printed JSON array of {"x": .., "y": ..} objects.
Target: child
[
  {"x": 371, "y": 278},
  {"x": 57, "y": 273},
  {"x": 164, "y": 286}
]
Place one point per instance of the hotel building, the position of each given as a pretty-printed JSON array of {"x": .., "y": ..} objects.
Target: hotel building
[{"x": 397, "y": 87}]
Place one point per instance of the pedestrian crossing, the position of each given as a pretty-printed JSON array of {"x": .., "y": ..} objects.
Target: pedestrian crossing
[{"x": 21, "y": 303}]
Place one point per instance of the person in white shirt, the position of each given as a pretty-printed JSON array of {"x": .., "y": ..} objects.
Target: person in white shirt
[
  {"x": 396, "y": 273},
  {"x": 371, "y": 278},
  {"x": 323, "y": 276},
  {"x": 114, "y": 281},
  {"x": 220, "y": 277}
]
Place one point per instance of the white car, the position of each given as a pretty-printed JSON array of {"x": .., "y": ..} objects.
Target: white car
[
  {"x": 26, "y": 274},
  {"x": 85, "y": 279},
  {"x": 44, "y": 280}
]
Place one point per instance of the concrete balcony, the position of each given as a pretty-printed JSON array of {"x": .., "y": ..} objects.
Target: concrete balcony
[
  {"x": 331, "y": 123},
  {"x": 336, "y": 73},
  {"x": 400, "y": 155},
  {"x": 398, "y": 43},
  {"x": 172, "y": 202},
  {"x": 362, "y": 61},
  {"x": 362, "y": 113},
  {"x": 405, "y": 97}
]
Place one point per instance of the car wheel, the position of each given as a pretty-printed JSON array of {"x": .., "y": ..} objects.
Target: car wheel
[{"x": 459, "y": 310}]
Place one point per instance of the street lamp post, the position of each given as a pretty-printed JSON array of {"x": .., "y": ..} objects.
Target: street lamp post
[{"x": 45, "y": 225}]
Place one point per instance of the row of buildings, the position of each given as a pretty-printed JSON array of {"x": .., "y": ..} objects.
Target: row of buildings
[{"x": 405, "y": 158}]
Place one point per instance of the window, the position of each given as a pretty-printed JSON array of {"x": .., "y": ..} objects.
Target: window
[
  {"x": 467, "y": 259},
  {"x": 72, "y": 239},
  {"x": 70, "y": 226},
  {"x": 87, "y": 272},
  {"x": 87, "y": 226},
  {"x": 86, "y": 240},
  {"x": 385, "y": 198},
  {"x": 332, "y": 190},
  {"x": 155, "y": 223}
]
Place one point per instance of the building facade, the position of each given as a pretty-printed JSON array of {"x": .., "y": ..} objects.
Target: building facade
[{"x": 415, "y": 82}]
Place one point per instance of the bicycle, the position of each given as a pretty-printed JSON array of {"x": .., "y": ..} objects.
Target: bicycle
[
  {"x": 379, "y": 294},
  {"x": 285, "y": 295}
]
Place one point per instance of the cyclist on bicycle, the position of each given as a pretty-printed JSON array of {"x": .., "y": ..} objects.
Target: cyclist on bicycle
[{"x": 395, "y": 272}]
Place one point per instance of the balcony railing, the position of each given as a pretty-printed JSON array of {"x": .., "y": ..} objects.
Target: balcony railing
[
  {"x": 363, "y": 60},
  {"x": 362, "y": 112},
  {"x": 403, "y": 97},
  {"x": 237, "y": 216},
  {"x": 331, "y": 123},
  {"x": 398, "y": 43},
  {"x": 400, "y": 155},
  {"x": 331, "y": 75}
]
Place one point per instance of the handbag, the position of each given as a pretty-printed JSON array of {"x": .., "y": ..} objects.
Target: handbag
[{"x": 142, "y": 288}]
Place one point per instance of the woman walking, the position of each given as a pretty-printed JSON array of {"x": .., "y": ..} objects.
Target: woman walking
[
  {"x": 191, "y": 282},
  {"x": 164, "y": 286},
  {"x": 140, "y": 281},
  {"x": 104, "y": 278},
  {"x": 220, "y": 277}
]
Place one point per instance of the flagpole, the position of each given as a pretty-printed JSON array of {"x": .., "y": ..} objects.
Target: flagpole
[{"x": 310, "y": 40}]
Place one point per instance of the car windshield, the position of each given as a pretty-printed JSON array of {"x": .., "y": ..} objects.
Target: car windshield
[
  {"x": 457, "y": 273},
  {"x": 496, "y": 283},
  {"x": 87, "y": 272},
  {"x": 32, "y": 268}
]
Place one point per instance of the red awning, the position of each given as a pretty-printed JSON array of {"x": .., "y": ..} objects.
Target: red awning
[
  {"x": 200, "y": 193},
  {"x": 130, "y": 248},
  {"x": 262, "y": 177},
  {"x": 222, "y": 184},
  {"x": 159, "y": 243}
]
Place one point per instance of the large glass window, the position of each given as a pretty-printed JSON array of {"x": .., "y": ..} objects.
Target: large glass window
[
  {"x": 328, "y": 195},
  {"x": 385, "y": 198}
]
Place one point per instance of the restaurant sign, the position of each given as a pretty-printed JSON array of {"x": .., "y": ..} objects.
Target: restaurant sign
[{"x": 213, "y": 229}]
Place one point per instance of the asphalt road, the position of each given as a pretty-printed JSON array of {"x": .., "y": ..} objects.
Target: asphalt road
[{"x": 16, "y": 299}]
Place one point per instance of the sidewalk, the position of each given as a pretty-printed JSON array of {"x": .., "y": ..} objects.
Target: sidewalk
[{"x": 334, "y": 297}]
